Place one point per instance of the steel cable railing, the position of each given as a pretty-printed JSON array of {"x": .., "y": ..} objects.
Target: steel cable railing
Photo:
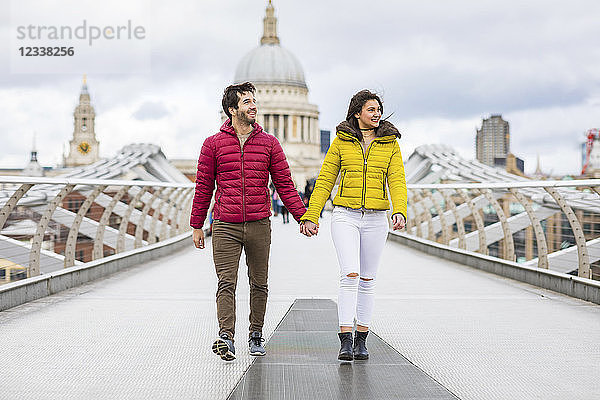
[
  {"x": 547, "y": 224},
  {"x": 47, "y": 224},
  {"x": 50, "y": 223}
]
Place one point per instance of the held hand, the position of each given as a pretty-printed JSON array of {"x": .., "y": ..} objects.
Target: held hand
[
  {"x": 309, "y": 228},
  {"x": 398, "y": 222},
  {"x": 198, "y": 238},
  {"x": 304, "y": 230}
]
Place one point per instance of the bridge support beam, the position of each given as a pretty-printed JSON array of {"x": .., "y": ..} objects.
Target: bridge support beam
[
  {"x": 98, "y": 251},
  {"x": 12, "y": 202},
  {"x": 125, "y": 220},
  {"x": 584, "y": 261},
  {"x": 542, "y": 247},
  {"x": 478, "y": 220},
  {"x": 38, "y": 238},
  {"x": 74, "y": 231},
  {"x": 509, "y": 245},
  {"x": 440, "y": 211},
  {"x": 460, "y": 224}
]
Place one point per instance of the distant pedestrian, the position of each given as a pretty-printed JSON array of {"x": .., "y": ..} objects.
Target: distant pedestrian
[
  {"x": 367, "y": 155},
  {"x": 274, "y": 199},
  {"x": 307, "y": 192},
  {"x": 285, "y": 214}
]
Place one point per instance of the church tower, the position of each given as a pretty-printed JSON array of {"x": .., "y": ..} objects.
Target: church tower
[
  {"x": 33, "y": 168},
  {"x": 83, "y": 148}
]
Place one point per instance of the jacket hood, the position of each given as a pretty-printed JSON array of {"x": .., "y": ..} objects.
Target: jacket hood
[
  {"x": 385, "y": 128},
  {"x": 228, "y": 128}
]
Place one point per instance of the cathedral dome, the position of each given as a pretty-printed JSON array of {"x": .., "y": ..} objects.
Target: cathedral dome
[
  {"x": 284, "y": 110},
  {"x": 271, "y": 64}
]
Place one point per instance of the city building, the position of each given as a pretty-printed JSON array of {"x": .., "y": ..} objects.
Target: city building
[
  {"x": 492, "y": 146},
  {"x": 492, "y": 140},
  {"x": 282, "y": 96},
  {"x": 33, "y": 168},
  {"x": 511, "y": 164},
  {"x": 325, "y": 141},
  {"x": 83, "y": 147}
]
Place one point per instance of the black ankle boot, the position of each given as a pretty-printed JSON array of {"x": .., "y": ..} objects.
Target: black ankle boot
[
  {"x": 346, "y": 346},
  {"x": 360, "y": 346}
]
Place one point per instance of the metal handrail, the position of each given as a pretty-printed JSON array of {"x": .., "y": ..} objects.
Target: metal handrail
[
  {"x": 102, "y": 217},
  {"x": 89, "y": 182},
  {"x": 549, "y": 209},
  {"x": 508, "y": 185}
]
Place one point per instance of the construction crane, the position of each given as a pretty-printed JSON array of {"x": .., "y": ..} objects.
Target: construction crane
[{"x": 591, "y": 135}]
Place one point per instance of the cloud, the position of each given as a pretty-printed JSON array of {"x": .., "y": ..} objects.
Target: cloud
[
  {"x": 439, "y": 68},
  {"x": 46, "y": 112},
  {"x": 150, "y": 110}
]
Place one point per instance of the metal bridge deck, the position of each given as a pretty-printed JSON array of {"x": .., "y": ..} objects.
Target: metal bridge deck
[
  {"x": 146, "y": 332},
  {"x": 300, "y": 364}
]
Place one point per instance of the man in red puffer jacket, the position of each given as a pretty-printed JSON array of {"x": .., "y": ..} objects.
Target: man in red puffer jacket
[{"x": 240, "y": 158}]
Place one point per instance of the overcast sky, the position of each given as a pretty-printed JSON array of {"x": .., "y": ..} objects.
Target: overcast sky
[{"x": 441, "y": 66}]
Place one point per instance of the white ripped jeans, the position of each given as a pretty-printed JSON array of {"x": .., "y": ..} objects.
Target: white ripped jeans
[{"x": 359, "y": 238}]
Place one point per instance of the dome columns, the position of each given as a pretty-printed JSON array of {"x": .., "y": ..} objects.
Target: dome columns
[{"x": 290, "y": 126}]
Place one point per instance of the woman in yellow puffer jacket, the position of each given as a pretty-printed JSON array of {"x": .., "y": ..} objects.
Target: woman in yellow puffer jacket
[{"x": 366, "y": 156}]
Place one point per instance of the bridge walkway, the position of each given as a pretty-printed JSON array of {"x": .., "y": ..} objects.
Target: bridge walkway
[{"x": 146, "y": 332}]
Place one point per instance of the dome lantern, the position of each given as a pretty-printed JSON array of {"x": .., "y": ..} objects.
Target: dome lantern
[{"x": 270, "y": 27}]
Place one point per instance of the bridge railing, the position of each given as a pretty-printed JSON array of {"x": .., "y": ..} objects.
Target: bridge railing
[
  {"x": 47, "y": 224},
  {"x": 546, "y": 224}
]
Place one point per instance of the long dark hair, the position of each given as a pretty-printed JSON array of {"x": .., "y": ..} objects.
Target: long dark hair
[{"x": 356, "y": 104}]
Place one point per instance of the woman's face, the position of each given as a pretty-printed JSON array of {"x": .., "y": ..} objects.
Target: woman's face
[{"x": 369, "y": 115}]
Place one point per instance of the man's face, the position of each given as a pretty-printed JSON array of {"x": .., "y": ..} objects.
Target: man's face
[{"x": 246, "y": 111}]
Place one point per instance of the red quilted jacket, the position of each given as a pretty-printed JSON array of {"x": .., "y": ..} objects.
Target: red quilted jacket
[{"x": 242, "y": 178}]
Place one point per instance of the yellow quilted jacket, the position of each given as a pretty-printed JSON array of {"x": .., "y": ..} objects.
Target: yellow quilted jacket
[{"x": 363, "y": 176}]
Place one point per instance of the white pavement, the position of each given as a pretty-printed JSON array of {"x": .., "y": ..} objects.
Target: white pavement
[{"x": 146, "y": 332}]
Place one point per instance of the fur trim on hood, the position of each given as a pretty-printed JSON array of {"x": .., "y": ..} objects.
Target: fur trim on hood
[{"x": 385, "y": 128}]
